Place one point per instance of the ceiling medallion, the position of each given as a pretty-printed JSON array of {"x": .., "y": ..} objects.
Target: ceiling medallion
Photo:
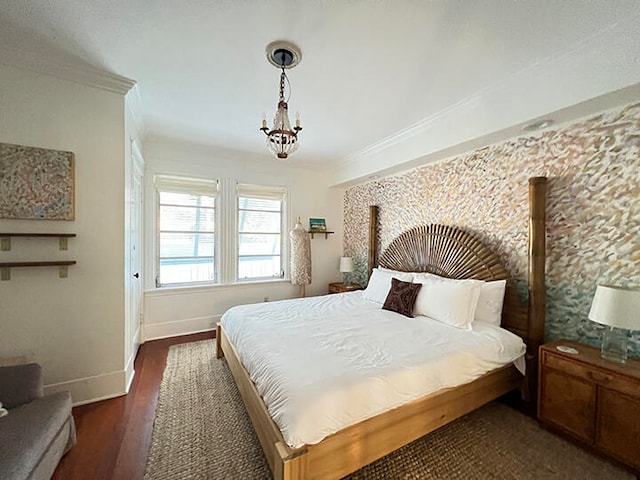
[{"x": 282, "y": 140}]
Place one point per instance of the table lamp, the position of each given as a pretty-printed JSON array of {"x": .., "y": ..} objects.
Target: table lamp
[
  {"x": 618, "y": 309},
  {"x": 346, "y": 266}
]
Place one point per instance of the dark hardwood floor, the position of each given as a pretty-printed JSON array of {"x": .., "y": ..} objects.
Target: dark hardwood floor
[{"x": 114, "y": 435}]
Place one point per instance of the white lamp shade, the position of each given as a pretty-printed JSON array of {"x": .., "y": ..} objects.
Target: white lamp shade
[
  {"x": 346, "y": 264},
  {"x": 616, "y": 307}
]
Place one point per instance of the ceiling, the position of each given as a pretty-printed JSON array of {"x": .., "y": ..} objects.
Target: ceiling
[{"x": 373, "y": 73}]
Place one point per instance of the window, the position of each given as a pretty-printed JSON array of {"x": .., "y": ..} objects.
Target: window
[
  {"x": 260, "y": 221},
  {"x": 218, "y": 231},
  {"x": 186, "y": 230}
]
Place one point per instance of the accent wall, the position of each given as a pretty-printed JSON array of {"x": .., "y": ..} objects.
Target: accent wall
[{"x": 593, "y": 210}]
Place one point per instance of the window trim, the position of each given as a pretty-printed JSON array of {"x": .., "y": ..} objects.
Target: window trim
[
  {"x": 266, "y": 192},
  {"x": 192, "y": 186}
]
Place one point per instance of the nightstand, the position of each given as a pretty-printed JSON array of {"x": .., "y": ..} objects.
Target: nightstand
[
  {"x": 593, "y": 400},
  {"x": 344, "y": 287}
]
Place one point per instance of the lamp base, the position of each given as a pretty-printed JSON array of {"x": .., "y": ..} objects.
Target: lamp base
[{"x": 614, "y": 345}]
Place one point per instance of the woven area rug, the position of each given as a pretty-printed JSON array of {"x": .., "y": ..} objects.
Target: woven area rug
[{"x": 202, "y": 431}]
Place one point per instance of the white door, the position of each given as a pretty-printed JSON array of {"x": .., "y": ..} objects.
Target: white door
[
  {"x": 134, "y": 281},
  {"x": 136, "y": 245}
]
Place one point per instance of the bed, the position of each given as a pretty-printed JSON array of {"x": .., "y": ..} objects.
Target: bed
[{"x": 443, "y": 250}]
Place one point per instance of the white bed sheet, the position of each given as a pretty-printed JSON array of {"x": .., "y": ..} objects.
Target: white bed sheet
[{"x": 324, "y": 363}]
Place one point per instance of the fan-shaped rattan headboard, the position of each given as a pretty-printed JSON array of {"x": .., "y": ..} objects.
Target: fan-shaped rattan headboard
[
  {"x": 444, "y": 250},
  {"x": 454, "y": 253}
]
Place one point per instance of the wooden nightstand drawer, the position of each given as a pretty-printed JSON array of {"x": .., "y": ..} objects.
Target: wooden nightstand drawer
[
  {"x": 611, "y": 380},
  {"x": 574, "y": 368}
]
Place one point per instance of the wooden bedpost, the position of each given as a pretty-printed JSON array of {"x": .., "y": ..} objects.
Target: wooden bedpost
[
  {"x": 537, "y": 288},
  {"x": 219, "y": 352},
  {"x": 373, "y": 239}
]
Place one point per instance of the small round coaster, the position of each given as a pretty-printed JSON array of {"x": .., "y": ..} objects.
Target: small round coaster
[{"x": 565, "y": 349}]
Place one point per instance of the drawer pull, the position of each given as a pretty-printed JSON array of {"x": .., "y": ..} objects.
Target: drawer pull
[{"x": 599, "y": 377}]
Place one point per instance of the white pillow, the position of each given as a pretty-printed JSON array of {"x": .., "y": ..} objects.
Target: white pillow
[
  {"x": 449, "y": 301},
  {"x": 489, "y": 309},
  {"x": 396, "y": 272},
  {"x": 380, "y": 284}
]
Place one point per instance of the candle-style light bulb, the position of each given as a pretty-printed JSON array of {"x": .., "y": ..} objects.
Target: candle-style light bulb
[
  {"x": 298, "y": 119},
  {"x": 264, "y": 120}
]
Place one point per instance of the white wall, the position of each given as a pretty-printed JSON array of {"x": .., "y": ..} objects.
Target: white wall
[
  {"x": 73, "y": 326},
  {"x": 178, "y": 311}
]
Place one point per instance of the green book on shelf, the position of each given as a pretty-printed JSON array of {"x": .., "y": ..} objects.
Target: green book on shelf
[{"x": 317, "y": 225}]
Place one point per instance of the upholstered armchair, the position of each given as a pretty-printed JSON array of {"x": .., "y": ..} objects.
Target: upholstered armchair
[{"x": 37, "y": 429}]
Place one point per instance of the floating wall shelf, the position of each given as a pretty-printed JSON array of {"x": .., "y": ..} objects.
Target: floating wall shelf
[
  {"x": 326, "y": 234},
  {"x": 5, "y": 239},
  {"x": 5, "y": 267},
  {"x": 5, "y": 246}
]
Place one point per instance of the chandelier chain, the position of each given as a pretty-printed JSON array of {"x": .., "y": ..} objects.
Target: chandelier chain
[{"x": 283, "y": 78}]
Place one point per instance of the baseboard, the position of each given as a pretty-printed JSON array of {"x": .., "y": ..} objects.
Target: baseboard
[
  {"x": 129, "y": 369},
  {"x": 92, "y": 389},
  {"x": 129, "y": 372},
  {"x": 157, "y": 331}
]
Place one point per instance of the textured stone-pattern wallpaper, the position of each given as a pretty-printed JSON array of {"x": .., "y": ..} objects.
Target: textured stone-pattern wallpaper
[{"x": 593, "y": 210}]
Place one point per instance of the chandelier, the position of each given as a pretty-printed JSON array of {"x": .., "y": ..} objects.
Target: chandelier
[{"x": 282, "y": 140}]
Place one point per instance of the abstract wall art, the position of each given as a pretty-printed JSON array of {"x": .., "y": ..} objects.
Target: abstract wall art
[{"x": 36, "y": 183}]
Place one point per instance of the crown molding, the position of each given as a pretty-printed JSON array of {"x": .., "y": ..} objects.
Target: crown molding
[
  {"x": 411, "y": 131},
  {"x": 465, "y": 105},
  {"x": 84, "y": 75}
]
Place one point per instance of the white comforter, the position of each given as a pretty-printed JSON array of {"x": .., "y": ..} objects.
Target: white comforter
[{"x": 324, "y": 363}]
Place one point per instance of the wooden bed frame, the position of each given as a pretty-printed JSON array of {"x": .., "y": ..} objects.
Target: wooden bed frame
[{"x": 447, "y": 251}]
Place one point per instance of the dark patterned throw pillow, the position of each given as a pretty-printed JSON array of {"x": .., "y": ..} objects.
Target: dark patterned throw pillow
[{"x": 401, "y": 297}]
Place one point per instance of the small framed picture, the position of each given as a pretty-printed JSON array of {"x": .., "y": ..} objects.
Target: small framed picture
[{"x": 317, "y": 225}]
